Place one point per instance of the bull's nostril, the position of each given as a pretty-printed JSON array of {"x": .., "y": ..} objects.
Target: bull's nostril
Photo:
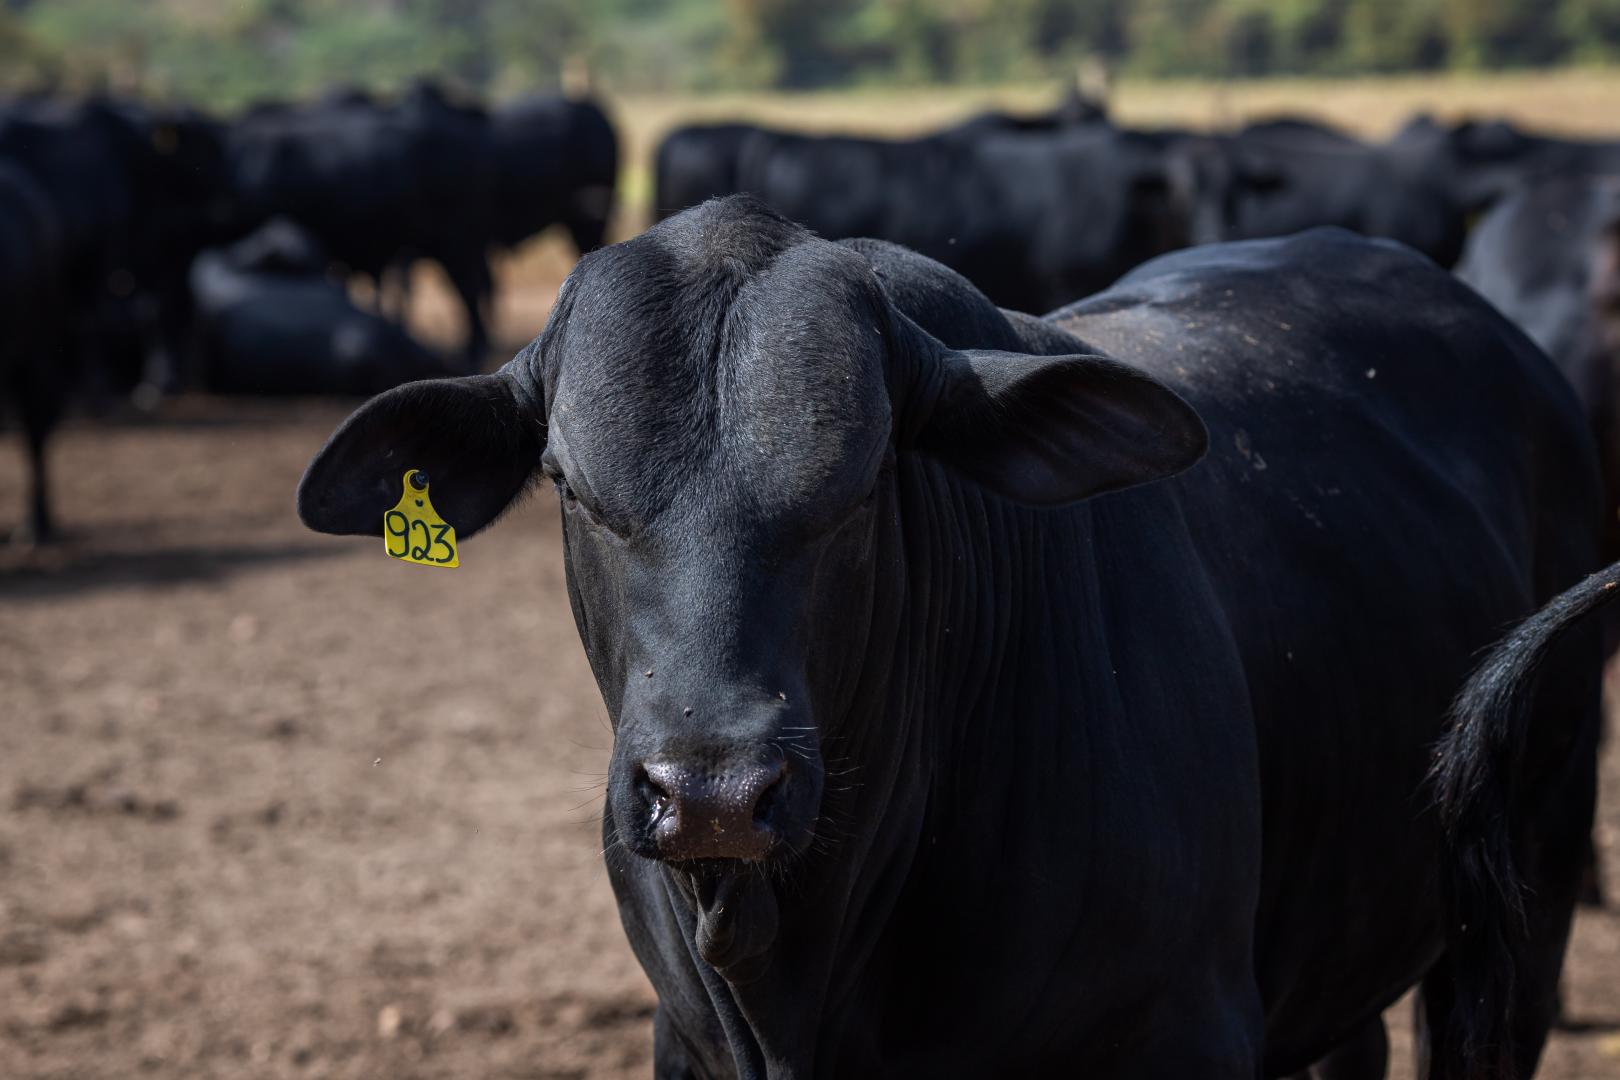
[
  {"x": 654, "y": 795},
  {"x": 769, "y": 798}
]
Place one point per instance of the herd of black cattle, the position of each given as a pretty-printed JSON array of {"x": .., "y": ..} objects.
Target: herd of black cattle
[
  {"x": 163, "y": 248},
  {"x": 166, "y": 249},
  {"x": 1038, "y": 211}
]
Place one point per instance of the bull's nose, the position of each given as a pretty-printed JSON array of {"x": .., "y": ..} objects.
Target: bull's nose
[{"x": 712, "y": 811}]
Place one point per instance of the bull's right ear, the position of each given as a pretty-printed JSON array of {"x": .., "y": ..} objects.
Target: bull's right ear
[{"x": 478, "y": 439}]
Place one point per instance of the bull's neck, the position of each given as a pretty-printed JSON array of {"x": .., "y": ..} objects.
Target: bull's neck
[
  {"x": 982, "y": 600},
  {"x": 994, "y": 591}
]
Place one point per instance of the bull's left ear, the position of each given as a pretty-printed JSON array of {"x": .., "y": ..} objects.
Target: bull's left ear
[
  {"x": 1050, "y": 430},
  {"x": 478, "y": 439}
]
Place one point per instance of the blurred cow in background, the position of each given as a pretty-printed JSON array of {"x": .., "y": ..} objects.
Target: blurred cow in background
[
  {"x": 703, "y": 161},
  {"x": 36, "y": 362},
  {"x": 105, "y": 204},
  {"x": 380, "y": 185},
  {"x": 1034, "y": 220},
  {"x": 425, "y": 177},
  {"x": 1035, "y": 210},
  {"x": 557, "y": 163},
  {"x": 1484, "y": 161},
  {"x": 136, "y": 192},
  {"x": 696, "y": 163},
  {"x": 269, "y": 321},
  {"x": 1280, "y": 177}
]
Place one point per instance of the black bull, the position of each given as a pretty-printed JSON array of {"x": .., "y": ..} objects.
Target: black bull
[
  {"x": 379, "y": 185},
  {"x": 36, "y": 367},
  {"x": 937, "y": 753}
]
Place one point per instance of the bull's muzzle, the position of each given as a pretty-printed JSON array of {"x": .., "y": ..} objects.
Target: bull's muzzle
[{"x": 709, "y": 810}]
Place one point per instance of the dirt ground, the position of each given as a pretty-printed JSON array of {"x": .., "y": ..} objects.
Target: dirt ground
[{"x": 272, "y": 805}]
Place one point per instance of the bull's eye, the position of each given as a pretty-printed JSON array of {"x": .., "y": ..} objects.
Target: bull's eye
[
  {"x": 551, "y": 468},
  {"x": 570, "y": 501}
]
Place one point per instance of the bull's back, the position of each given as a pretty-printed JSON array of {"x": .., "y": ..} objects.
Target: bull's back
[{"x": 1395, "y": 475}]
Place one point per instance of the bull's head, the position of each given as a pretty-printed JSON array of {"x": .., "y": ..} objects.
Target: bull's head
[{"x": 729, "y": 411}]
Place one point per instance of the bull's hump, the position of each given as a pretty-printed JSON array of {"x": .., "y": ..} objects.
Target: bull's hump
[{"x": 727, "y": 348}]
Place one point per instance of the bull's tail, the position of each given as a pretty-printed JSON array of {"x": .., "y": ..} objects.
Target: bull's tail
[{"x": 1474, "y": 778}]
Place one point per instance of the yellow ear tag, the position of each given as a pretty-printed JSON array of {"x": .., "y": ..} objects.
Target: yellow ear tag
[{"x": 414, "y": 532}]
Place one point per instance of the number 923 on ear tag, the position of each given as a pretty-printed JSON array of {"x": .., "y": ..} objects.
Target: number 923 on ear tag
[{"x": 414, "y": 532}]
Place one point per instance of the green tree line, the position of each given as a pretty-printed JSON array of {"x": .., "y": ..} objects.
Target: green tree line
[{"x": 227, "y": 52}]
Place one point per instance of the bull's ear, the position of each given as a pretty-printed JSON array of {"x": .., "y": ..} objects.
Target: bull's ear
[
  {"x": 478, "y": 439},
  {"x": 1050, "y": 430}
]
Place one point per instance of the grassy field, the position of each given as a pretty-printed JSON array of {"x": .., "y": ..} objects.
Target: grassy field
[{"x": 1577, "y": 102}]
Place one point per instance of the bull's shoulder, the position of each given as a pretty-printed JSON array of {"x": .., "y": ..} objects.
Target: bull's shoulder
[
  {"x": 1324, "y": 320},
  {"x": 1322, "y": 256},
  {"x": 1325, "y": 282}
]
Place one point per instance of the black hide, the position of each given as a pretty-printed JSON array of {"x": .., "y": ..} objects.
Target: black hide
[{"x": 1131, "y": 786}]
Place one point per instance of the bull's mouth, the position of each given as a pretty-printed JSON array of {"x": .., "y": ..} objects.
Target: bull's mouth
[{"x": 736, "y": 918}]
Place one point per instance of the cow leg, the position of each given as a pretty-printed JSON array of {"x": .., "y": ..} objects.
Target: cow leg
[
  {"x": 1537, "y": 1000},
  {"x": 1591, "y": 891},
  {"x": 38, "y": 411},
  {"x": 164, "y": 368},
  {"x": 469, "y": 273},
  {"x": 1216, "y": 1039},
  {"x": 1362, "y": 1056},
  {"x": 40, "y": 523},
  {"x": 1592, "y": 877},
  {"x": 394, "y": 291},
  {"x": 1590, "y": 894}
]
